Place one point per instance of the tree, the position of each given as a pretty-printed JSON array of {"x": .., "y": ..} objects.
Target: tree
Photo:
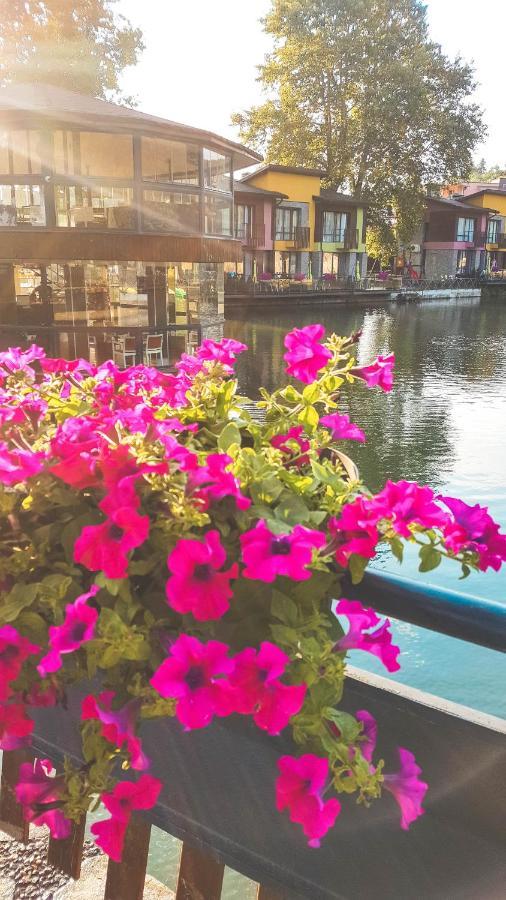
[
  {"x": 81, "y": 46},
  {"x": 357, "y": 88},
  {"x": 481, "y": 173}
]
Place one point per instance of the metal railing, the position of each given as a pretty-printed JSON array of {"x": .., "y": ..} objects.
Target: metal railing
[{"x": 251, "y": 234}]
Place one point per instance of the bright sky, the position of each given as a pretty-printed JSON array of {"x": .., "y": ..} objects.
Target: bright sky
[{"x": 200, "y": 61}]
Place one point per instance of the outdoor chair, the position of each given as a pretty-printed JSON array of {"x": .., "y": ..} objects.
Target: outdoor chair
[
  {"x": 153, "y": 352},
  {"x": 124, "y": 351}
]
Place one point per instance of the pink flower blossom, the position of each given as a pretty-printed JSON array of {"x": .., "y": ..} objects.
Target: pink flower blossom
[
  {"x": 280, "y": 442},
  {"x": 299, "y": 789},
  {"x": 306, "y": 356},
  {"x": 369, "y": 733},
  {"x": 18, "y": 465},
  {"x": 407, "y": 788},
  {"x": 472, "y": 528},
  {"x": 197, "y": 585},
  {"x": 39, "y": 793},
  {"x": 104, "y": 548},
  {"x": 355, "y": 531},
  {"x": 57, "y": 366},
  {"x": 380, "y": 373},
  {"x": 14, "y": 650},
  {"x": 15, "y": 726},
  {"x": 78, "y": 627},
  {"x": 126, "y": 797},
  {"x": 267, "y": 555},
  {"x": 342, "y": 429},
  {"x": 16, "y": 360},
  {"x": 212, "y": 482},
  {"x": 223, "y": 352},
  {"x": 118, "y": 725},
  {"x": 360, "y": 637},
  {"x": 255, "y": 688},
  {"x": 407, "y": 503},
  {"x": 193, "y": 674}
]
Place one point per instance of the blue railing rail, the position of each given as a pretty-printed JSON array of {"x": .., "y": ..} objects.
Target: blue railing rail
[{"x": 448, "y": 612}]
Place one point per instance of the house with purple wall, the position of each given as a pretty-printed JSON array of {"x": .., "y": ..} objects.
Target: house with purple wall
[
  {"x": 254, "y": 216},
  {"x": 452, "y": 239}
]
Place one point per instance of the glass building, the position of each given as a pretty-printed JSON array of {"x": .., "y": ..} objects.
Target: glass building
[{"x": 114, "y": 225}]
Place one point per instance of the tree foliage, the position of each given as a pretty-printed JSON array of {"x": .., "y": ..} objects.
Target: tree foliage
[
  {"x": 481, "y": 172},
  {"x": 357, "y": 88},
  {"x": 80, "y": 46}
]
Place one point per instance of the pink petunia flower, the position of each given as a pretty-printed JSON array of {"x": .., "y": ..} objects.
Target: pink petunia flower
[
  {"x": 359, "y": 636},
  {"x": 212, "y": 482},
  {"x": 193, "y": 674},
  {"x": 306, "y": 356},
  {"x": 407, "y": 503},
  {"x": 14, "y": 650},
  {"x": 197, "y": 585},
  {"x": 355, "y": 531},
  {"x": 255, "y": 688},
  {"x": 267, "y": 555},
  {"x": 126, "y": 797},
  {"x": 380, "y": 373},
  {"x": 299, "y": 789},
  {"x": 407, "y": 788},
  {"x": 369, "y": 733},
  {"x": 18, "y": 465},
  {"x": 15, "y": 726},
  {"x": 280, "y": 442},
  {"x": 472, "y": 528},
  {"x": 104, "y": 548},
  {"x": 223, "y": 352},
  {"x": 40, "y": 795},
  {"x": 78, "y": 627},
  {"x": 16, "y": 360},
  {"x": 342, "y": 429},
  {"x": 118, "y": 725}
]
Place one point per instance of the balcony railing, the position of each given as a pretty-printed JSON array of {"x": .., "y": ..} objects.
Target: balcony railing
[
  {"x": 501, "y": 241},
  {"x": 351, "y": 238},
  {"x": 251, "y": 234}
]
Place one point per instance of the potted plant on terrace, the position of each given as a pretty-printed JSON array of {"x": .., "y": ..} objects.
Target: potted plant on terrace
[{"x": 185, "y": 560}]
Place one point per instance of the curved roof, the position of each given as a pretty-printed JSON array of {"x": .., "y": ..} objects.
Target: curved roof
[{"x": 32, "y": 105}]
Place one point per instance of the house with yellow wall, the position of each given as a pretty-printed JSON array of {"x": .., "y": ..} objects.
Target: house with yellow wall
[
  {"x": 316, "y": 232},
  {"x": 490, "y": 198}
]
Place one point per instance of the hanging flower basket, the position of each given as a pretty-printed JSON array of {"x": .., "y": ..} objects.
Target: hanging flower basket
[{"x": 160, "y": 542}]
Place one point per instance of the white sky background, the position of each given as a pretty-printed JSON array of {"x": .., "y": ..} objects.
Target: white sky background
[{"x": 200, "y": 61}]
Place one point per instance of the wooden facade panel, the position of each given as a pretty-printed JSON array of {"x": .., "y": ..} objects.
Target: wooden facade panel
[{"x": 54, "y": 246}]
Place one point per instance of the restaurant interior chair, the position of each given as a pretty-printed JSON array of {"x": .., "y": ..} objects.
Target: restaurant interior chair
[
  {"x": 124, "y": 352},
  {"x": 153, "y": 349}
]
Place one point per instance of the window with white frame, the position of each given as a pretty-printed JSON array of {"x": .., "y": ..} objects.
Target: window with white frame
[
  {"x": 334, "y": 227},
  {"x": 465, "y": 229}
]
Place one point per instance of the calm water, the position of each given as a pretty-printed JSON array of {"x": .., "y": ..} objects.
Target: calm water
[{"x": 444, "y": 424}]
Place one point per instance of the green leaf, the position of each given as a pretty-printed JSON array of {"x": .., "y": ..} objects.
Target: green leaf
[
  {"x": 347, "y": 725},
  {"x": 311, "y": 392},
  {"x": 397, "y": 548},
  {"x": 283, "y": 635},
  {"x": 21, "y": 596},
  {"x": 309, "y": 418},
  {"x": 430, "y": 558},
  {"x": 357, "y": 566},
  {"x": 292, "y": 510},
  {"x": 32, "y": 626},
  {"x": 283, "y": 608},
  {"x": 111, "y": 585},
  {"x": 229, "y": 436}
]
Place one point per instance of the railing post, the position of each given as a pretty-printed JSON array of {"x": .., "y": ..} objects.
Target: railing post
[
  {"x": 125, "y": 880},
  {"x": 11, "y": 813},
  {"x": 67, "y": 854},
  {"x": 200, "y": 876}
]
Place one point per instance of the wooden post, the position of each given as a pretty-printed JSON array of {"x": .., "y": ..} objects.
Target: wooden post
[
  {"x": 125, "y": 880},
  {"x": 67, "y": 854},
  {"x": 11, "y": 813},
  {"x": 265, "y": 893},
  {"x": 200, "y": 875}
]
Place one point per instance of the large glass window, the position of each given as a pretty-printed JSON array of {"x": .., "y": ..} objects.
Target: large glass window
[
  {"x": 334, "y": 227},
  {"x": 287, "y": 220},
  {"x": 20, "y": 153},
  {"x": 331, "y": 264},
  {"x": 94, "y": 206},
  {"x": 465, "y": 230},
  {"x": 287, "y": 263},
  {"x": 93, "y": 154},
  {"x": 243, "y": 221},
  {"x": 171, "y": 211},
  {"x": 217, "y": 171},
  {"x": 217, "y": 215},
  {"x": 169, "y": 161},
  {"x": 21, "y": 204},
  {"x": 493, "y": 231}
]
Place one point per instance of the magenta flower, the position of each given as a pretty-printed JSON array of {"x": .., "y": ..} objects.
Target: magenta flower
[
  {"x": 302, "y": 445},
  {"x": 212, "y": 482},
  {"x": 14, "y": 650},
  {"x": 16, "y": 360},
  {"x": 407, "y": 503},
  {"x": 342, "y": 429},
  {"x": 299, "y": 789},
  {"x": 15, "y": 726},
  {"x": 369, "y": 733},
  {"x": 126, "y": 797},
  {"x": 57, "y": 366},
  {"x": 197, "y": 585},
  {"x": 118, "y": 725},
  {"x": 194, "y": 675},
  {"x": 360, "y": 637},
  {"x": 78, "y": 627},
  {"x": 407, "y": 788},
  {"x": 355, "y": 531},
  {"x": 306, "y": 356},
  {"x": 40, "y": 795},
  {"x": 380, "y": 373},
  {"x": 224, "y": 352},
  {"x": 104, "y": 548},
  {"x": 255, "y": 688},
  {"x": 472, "y": 528},
  {"x": 18, "y": 465},
  {"x": 267, "y": 555}
]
